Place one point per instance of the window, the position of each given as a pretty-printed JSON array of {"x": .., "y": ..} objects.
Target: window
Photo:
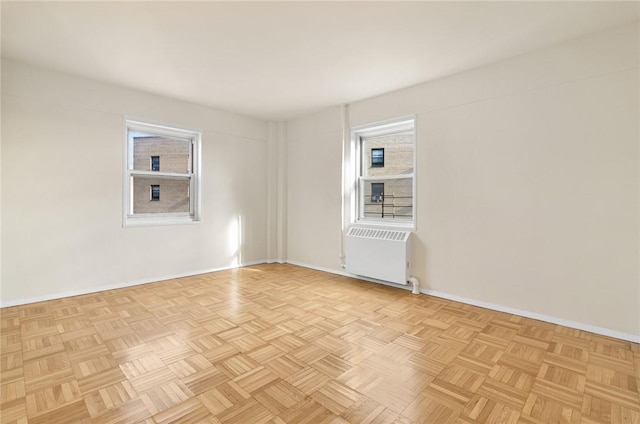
[
  {"x": 179, "y": 177},
  {"x": 377, "y": 157},
  {"x": 155, "y": 192},
  {"x": 384, "y": 161},
  {"x": 377, "y": 192}
]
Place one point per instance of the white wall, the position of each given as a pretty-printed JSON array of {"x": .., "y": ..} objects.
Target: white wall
[
  {"x": 62, "y": 162},
  {"x": 527, "y": 180},
  {"x": 314, "y": 184},
  {"x": 528, "y": 185}
]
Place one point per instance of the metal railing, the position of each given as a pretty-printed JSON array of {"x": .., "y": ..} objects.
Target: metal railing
[{"x": 387, "y": 206}]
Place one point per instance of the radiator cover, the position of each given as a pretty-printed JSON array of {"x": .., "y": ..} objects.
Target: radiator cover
[{"x": 379, "y": 254}]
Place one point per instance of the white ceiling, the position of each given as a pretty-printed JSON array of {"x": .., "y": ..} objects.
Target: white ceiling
[{"x": 282, "y": 60}]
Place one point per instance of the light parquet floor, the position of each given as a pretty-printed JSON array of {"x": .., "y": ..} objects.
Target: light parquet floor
[{"x": 285, "y": 344}]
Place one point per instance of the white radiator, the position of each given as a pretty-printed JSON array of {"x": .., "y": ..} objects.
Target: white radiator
[{"x": 379, "y": 254}]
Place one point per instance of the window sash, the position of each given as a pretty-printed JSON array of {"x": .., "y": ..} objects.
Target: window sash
[
  {"x": 192, "y": 200},
  {"x": 363, "y": 196},
  {"x": 130, "y": 156},
  {"x": 193, "y": 176},
  {"x": 160, "y": 175},
  {"x": 358, "y": 161},
  {"x": 385, "y": 177}
]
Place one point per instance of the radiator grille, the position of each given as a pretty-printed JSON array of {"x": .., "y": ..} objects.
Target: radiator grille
[{"x": 371, "y": 233}]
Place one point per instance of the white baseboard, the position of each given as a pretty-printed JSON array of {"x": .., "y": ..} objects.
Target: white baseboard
[
  {"x": 533, "y": 315},
  {"x": 500, "y": 308},
  {"x": 347, "y": 274},
  {"x": 97, "y": 289}
]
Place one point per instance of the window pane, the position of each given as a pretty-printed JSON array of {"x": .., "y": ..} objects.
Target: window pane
[
  {"x": 377, "y": 192},
  {"x": 174, "y": 153},
  {"x": 173, "y": 195},
  {"x": 155, "y": 192},
  {"x": 394, "y": 153},
  {"x": 389, "y": 199},
  {"x": 377, "y": 157}
]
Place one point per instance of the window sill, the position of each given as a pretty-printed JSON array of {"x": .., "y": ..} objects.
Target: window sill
[{"x": 158, "y": 221}]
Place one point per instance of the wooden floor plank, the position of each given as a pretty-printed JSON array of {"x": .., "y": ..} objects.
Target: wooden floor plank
[{"x": 285, "y": 344}]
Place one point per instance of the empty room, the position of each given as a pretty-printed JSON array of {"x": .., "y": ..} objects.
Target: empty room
[{"x": 320, "y": 212}]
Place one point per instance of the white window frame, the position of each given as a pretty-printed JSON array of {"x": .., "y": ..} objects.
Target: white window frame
[
  {"x": 394, "y": 126},
  {"x": 194, "y": 175}
]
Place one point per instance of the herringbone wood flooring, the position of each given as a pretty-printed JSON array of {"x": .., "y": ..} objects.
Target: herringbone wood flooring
[{"x": 284, "y": 344}]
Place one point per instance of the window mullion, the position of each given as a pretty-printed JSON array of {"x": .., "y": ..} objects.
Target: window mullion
[
  {"x": 156, "y": 174},
  {"x": 386, "y": 177}
]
